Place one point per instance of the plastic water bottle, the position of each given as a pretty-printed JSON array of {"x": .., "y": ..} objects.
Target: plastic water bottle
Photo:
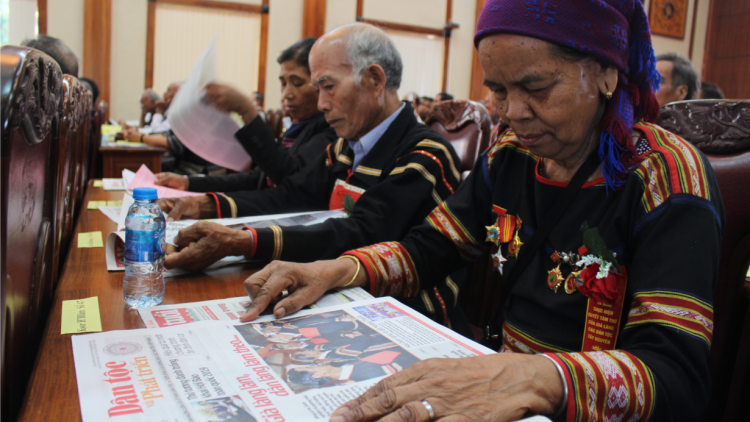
[{"x": 145, "y": 245}]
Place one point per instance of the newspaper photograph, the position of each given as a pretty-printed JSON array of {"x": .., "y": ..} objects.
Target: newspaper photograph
[
  {"x": 229, "y": 309},
  {"x": 299, "y": 368}
]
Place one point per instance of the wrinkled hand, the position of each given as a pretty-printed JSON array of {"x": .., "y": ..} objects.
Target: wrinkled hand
[
  {"x": 172, "y": 180},
  {"x": 204, "y": 243},
  {"x": 188, "y": 207},
  {"x": 132, "y": 135},
  {"x": 501, "y": 387},
  {"x": 228, "y": 99},
  {"x": 304, "y": 282}
]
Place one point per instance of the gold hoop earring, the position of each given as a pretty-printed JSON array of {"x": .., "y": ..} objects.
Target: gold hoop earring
[{"x": 609, "y": 95}]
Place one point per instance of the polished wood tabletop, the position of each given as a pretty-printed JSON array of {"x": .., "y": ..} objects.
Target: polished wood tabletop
[{"x": 53, "y": 392}]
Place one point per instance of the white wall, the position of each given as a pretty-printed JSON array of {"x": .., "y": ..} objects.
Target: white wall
[
  {"x": 22, "y": 21},
  {"x": 65, "y": 21},
  {"x": 128, "y": 62},
  {"x": 284, "y": 29},
  {"x": 462, "y": 48}
]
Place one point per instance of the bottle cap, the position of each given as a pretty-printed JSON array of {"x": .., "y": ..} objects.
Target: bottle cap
[{"x": 145, "y": 193}]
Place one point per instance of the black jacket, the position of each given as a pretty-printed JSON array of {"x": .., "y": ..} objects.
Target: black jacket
[
  {"x": 272, "y": 159},
  {"x": 409, "y": 171}
]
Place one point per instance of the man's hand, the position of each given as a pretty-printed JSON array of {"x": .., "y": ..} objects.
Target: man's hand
[
  {"x": 188, "y": 207},
  {"x": 228, "y": 99},
  {"x": 161, "y": 106},
  {"x": 133, "y": 135},
  {"x": 305, "y": 283},
  {"x": 172, "y": 180},
  {"x": 204, "y": 243},
  {"x": 501, "y": 387}
]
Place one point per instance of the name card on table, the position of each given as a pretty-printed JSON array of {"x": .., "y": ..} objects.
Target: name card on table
[
  {"x": 98, "y": 183},
  {"x": 90, "y": 240},
  {"x": 81, "y": 316},
  {"x": 94, "y": 205}
]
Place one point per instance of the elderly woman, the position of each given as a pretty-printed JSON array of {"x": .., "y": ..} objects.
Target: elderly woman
[{"x": 606, "y": 229}]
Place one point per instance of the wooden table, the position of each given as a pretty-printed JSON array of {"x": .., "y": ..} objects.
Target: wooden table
[
  {"x": 117, "y": 158},
  {"x": 53, "y": 392}
]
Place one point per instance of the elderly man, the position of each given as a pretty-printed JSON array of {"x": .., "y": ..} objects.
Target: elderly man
[
  {"x": 424, "y": 107},
  {"x": 149, "y": 98},
  {"x": 679, "y": 81},
  {"x": 396, "y": 169},
  {"x": 160, "y": 130}
]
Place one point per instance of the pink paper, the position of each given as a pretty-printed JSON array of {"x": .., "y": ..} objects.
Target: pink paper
[{"x": 145, "y": 179}]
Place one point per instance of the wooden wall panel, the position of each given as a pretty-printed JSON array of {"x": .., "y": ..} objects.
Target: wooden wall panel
[
  {"x": 727, "y": 59},
  {"x": 97, "y": 44},
  {"x": 477, "y": 90},
  {"x": 41, "y": 7},
  {"x": 314, "y": 18}
]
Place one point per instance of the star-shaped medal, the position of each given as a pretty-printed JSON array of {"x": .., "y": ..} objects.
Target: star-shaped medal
[
  {"x": 493, "y": 234},
  {"x": 554, "y": 278},
  {"x": 498, "y": 259}
]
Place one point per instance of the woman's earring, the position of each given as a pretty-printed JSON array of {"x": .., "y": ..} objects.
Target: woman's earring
[{"x": 609, "y": 95}]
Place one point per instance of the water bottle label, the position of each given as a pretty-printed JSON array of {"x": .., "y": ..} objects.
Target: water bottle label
[{"x": 144, "y": 246}]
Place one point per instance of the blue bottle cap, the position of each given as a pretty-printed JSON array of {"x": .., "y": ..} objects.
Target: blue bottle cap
[{"x": 145, "y": 193}]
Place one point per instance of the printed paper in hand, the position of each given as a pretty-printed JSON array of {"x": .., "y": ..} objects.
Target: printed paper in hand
[
  {"x": 296, "y": 369},
  {"x": 144, "y": 178},
  {"x": 113, "y": 184},
  {"x": 229, "y": 309},
  {"x": 204, "y": 130}
]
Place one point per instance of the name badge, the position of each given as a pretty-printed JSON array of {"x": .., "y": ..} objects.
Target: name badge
[{"x": 339, "y": 193}]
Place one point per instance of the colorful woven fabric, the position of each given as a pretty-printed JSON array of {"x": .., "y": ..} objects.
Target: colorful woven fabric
[{"x": 615, "y": 32}]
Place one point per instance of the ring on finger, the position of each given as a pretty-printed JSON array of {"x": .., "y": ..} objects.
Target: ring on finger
[{"x": 429, "y": 409}]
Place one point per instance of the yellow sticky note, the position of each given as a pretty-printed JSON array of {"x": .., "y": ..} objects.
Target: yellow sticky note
[
  {"x": 130, "y": 144},
  {"x": 81, "y": 316},
  {"x": 94, "y": 205},
  {"x": 90, "y": 240},
  {"x": 109, "y": 130},
  {"x": 114, "y": 203},
  {"x": 98, "y": 183}
]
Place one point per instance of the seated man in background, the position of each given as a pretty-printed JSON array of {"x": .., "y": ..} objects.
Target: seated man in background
[
  {"x": 443, "y": 96},
  {"x": 424, "y": 108},
  {"x": 159, "y": 126},
  {"x": 711, "y": 91},
  {"x": 258, "y": 101},
  {"x": 56, "y": 49},
  {"x": 93, "y": 88},
  {"x": 148, "y": 101},
  {"x": 396, "y": 169},
  {"x": 679, "y": 81},
  {"x": 306, "y": 139}
]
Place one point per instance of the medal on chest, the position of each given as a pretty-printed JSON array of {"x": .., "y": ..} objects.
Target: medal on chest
[
  {"x": 502, "y": 232},
  {"x": 340, "y": 191},
  {"x": 595, "y": 274}
]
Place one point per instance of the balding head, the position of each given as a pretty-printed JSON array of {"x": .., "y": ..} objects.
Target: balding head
[{"x": 357, "y": 70}]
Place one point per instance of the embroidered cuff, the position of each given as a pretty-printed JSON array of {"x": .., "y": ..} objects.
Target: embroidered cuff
[{"x": 255, "y": 241}]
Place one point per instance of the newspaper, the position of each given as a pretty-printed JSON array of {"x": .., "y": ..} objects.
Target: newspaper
[
  {"x": 229, "y": 309},
  {"x": 299, "y": 368},
  {"x": 115, "y": 245}
]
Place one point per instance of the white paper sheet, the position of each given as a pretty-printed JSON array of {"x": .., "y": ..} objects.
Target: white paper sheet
[
  {"x": 206, "y": 131},
  {"x": 111, "y": 211},
  {"x": 113, "y": 184}
]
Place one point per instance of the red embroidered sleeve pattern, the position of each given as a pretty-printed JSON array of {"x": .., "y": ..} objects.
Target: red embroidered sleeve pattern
[
  {"x": 390, "y": 268},
  {"x": 679, "y": 311},
  {"x": 445, "y": 222},
  {"x": 607, "y": 385}
]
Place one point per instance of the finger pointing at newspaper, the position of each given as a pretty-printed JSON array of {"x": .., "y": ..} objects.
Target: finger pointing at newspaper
[{"x": 305, "y": 283}]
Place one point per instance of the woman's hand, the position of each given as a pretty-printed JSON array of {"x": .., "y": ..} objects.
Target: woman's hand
[
  {"x": 228, "y": 99},
  {"x": 501, "y": 387},
  {"x": 172, "y": 180},
  {"x": 305, "y": 283}
]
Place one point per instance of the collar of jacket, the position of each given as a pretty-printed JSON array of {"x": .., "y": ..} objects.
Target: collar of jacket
[
  {"x": 316, "y": 125},
  {"x": 383, "y": 155}
]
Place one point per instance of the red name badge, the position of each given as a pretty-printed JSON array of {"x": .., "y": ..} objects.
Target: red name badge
[
  {"x": 339, "y": 193},
  {"x": 603, "y": 323}
]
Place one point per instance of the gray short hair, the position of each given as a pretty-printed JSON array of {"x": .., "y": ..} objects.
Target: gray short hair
[
  {"x": 683, "y": 73},
  {"x": 151, "y": 94},
  {"x": 366, "y": 45}
]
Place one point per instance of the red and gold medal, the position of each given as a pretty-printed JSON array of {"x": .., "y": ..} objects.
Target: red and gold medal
[{"x": 554, "y": 278}]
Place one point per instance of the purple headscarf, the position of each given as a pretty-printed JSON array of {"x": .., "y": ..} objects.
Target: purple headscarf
[{"x": 615, "y": 32}]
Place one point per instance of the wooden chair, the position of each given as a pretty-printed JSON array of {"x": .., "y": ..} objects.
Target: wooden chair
[
  {"x": 98, "y": 118},
  {"x": 721, "y": 129},
  {"x": 31, "y": 108},
  {"x": 466, "y": 125},
  {"x": 81, "y": 152}
]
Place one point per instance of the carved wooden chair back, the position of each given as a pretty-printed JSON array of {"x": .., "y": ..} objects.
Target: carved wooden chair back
[
  {"x": 466, "y": 125},
  {"x": 31, "y": 108},
  {"x": 81, "y": 150},
  {"x": 721, "y": 130}
]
